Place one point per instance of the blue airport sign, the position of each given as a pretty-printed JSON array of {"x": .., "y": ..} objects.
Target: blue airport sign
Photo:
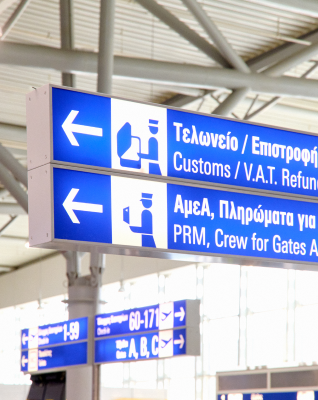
[
  {"x": 91, "y": 209},
  {"x": 146, "y": 346},
  {"x": 158, "y": 317},
  {"x": 61, "y": 332},
  {"x": 102, "y": 132},
  {"x": 305, "y": 394},
  {"x": 59, "y": 356}
]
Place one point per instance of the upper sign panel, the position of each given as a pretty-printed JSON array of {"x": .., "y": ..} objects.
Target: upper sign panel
[{"x": 66, "y": 126}]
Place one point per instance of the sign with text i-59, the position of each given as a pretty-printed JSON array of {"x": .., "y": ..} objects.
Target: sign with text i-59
[
  {"x": 55, "y": 345},
  {"x": 70, "y": 127},
  {"x": 58, "y": 333}
]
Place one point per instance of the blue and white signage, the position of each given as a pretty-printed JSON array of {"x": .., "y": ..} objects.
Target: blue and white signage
[
  {"x": 125, "y": 212},
  {"x": 305, "y": 394},
  {"x": 54, "y": 357},
  {"x": 159, "y": 344},
  {"x": 55, "y": 345},
  {"x": 158, "y": 317},
  {"x": 61, "y": 332},
  {"x": 98, "y": 131}
]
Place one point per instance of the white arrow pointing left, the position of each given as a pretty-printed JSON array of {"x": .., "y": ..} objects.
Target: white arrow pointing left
[
  {"x": 24, "y": 339},
  {"x": 70, "y": 128},
  {"x": 180, "y": 314},
  {"x": 24, "y": 361},
  {"x": 179, "y": 341},
  {"x": 71, "y": 205}
]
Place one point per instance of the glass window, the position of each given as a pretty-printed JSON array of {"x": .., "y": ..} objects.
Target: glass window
[
  {"x": 144, "y": 291},
  {"x": 144, "y": 373},
  {"x": 266, "y": 338},
  {"x": 222, "y": 344},
  {"x": 112, "y": 375},
  {"x": 181, "y": 284},
  {"x": 306, "y": 287},
  {"x": 266, "y": 289},
  {"x": 306, "y": 333},
  {"x": 221, "y": 290}
]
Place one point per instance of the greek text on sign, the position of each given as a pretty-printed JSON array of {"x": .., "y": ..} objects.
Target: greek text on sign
[
  {"x": 67, "y": 126},
  {"x": 152, "y": 215}
]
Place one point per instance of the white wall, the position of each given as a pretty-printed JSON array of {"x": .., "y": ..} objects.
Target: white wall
[
  {"x": 14, "y": 392},
  {"x": 20, "y": 392},
  {"x": 47, "y": 278}
]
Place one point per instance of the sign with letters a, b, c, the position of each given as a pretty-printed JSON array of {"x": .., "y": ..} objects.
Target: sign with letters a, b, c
[{"x": 78, "y": 128}]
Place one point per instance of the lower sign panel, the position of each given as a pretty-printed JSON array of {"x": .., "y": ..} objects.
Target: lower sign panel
[
  {"x": 185, "y": 341},
  {"x": 81, "y": 210},
  {"x": 54, "y": 357}
]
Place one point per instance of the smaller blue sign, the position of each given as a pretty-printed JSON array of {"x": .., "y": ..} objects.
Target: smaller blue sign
[
  {"x": 301, "y": 395},
  {"x": 158, "y": 317},
  {"x": 61, "y": 332},
  {"x": 54, "y": 357},
  {"x": 146, "y": 346}
]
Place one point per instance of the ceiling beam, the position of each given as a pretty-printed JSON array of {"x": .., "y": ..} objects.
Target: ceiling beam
[
  {"x": 156, "y": 71},
  {"x": 13, "y": 19},
  {"x": 183, "y": 30},
  {"x": 16, "y": 191},
  {"x": 292, "y": 61},
  {"x": 13, "y": 165},
  {"x": 216, "y": 36},
  {"x": 11, "y": 209},
  {"x": 10, "y": 134},
  {"x": 280, "y": 53},
  {"x": 305, "y": 7},
  {"x": 233, "y": 99}
]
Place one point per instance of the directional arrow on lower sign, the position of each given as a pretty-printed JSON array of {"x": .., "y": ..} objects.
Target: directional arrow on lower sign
[
  {"x": 24, "y": 361},
  {"x": 71, "y": 205},
  {"x": 70, "y": 128},
  {"x": 145, "y": 346},
  {"x": 180, "y": 341}
]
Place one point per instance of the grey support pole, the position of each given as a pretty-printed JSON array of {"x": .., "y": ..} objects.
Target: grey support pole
[
  {"x": 226, "y": 50},
  {"x": 67, "y": 35},
  {"x": 13, "y": 187},
  {"x": 292, "y": 61},
  {"x": 13, "y": 18},
  {"x": 183, "y": 30},
  {"x": 212, "y": 30},
  {"x": 19, "y": 172},
  {"x": 228, "y": 105},
  {"x": 106, "y": 46}
]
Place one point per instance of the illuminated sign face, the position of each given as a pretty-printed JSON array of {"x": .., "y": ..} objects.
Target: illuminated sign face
[
  {"x": 300, "y": 395},
  {"x": 99, "y": 209},
  {"x": 102, "y": 132},
  {"x": 55, "y": 345}
]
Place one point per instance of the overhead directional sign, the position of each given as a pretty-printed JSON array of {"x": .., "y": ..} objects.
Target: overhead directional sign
[
  {"x": 54, "y": 357},
  {"x": 158, "y": 317},
  {"x": 61, "y": 332},
  {"x": 305, "y": 394},
  {"x": 146, "y": 346},
  {"x": 158, "y": 217},
  {"x": 71, "y": 127},
  {"x": 55, "y": 345}
]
